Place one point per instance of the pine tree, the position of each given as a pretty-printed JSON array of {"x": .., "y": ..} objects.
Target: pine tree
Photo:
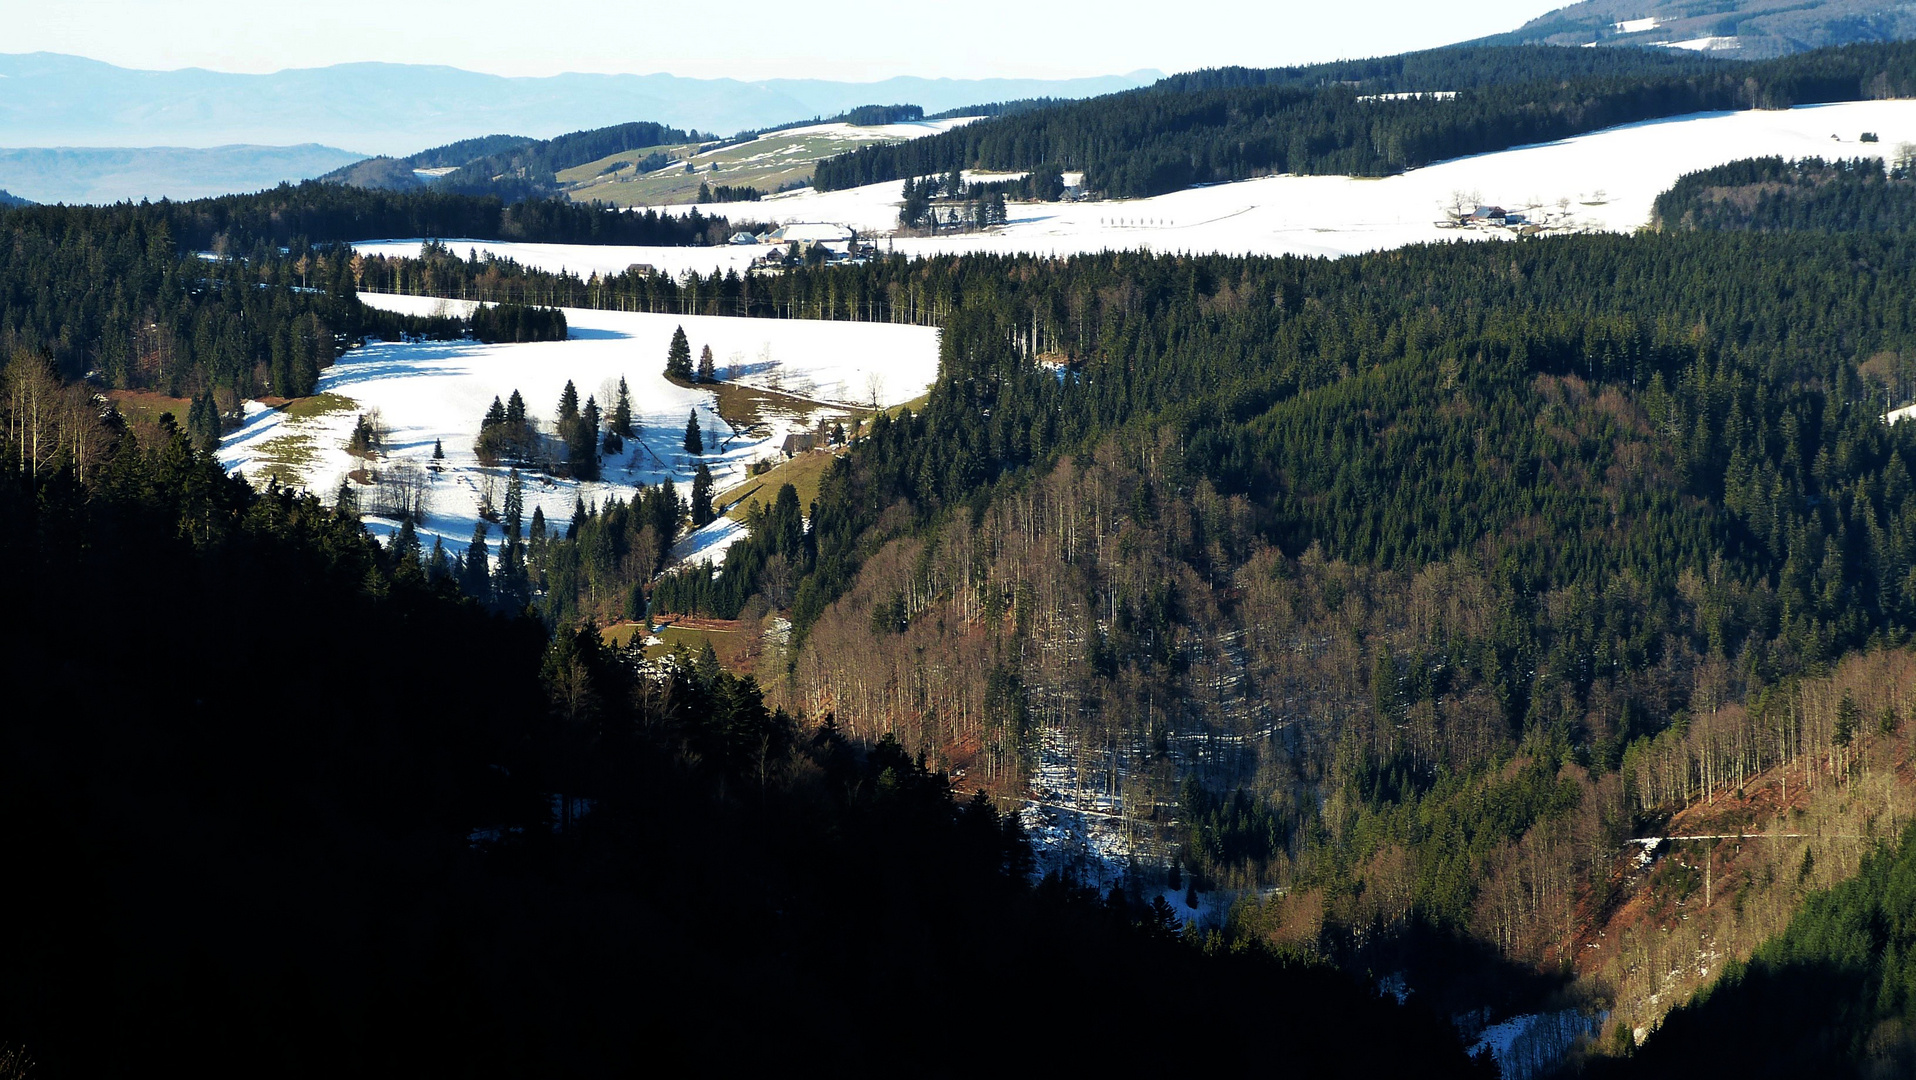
[
  {"x": 536, "y": 535},
  {"x": 705, "y": 193},
  {"x": 477, "y": 579},
  {"x": 622, "y": 411},
  {"x": 515, "y": 505},
  {"x": 439, "y": 565},
  {"x": 708, "y": 371},
  {"x": 678, "y": 359},
  {"x": 578, "y": 517},
  {"x": 581, "y": 435},
  {"x": 438, "y": 450},
  {"x": 702, "y": 497},
  {"x": 568, "y": 406},
  {"x": 515, "y": 409},
  {"x": 405, "y": 552},
  {"x": 694, "y": 438},
  {"x": 203, "y": 421},
  {"x": 511, "y": 587},
  {"x": 495, "y": 434}
]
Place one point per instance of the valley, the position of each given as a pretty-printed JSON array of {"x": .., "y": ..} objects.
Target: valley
[{"x": 1394, "y": 565}]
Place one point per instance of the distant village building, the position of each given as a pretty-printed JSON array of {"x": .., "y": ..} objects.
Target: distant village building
[
  {"x": 742, "y": 238},
  {"x": 807, "y": 233},
  {"x": 1486, "y": 215},
  {"x": 799, "y": 443}
]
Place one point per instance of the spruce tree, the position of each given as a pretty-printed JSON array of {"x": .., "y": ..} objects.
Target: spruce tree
[
  {"x": 702, "y": 497},
  {"x": 438, "y": 450},
  {"x": 581, "y": 435},
  {"x": 203, "y": 421},
  {"x": 439, "y": 565},
  {"x": 405, "y": 552},
  {"x": 622, "y": 411},
  {"x": 578, "y": 517},
  {"x": 477, "y": 580},
  {"x": 511, "y": 587},
  {"x": 568, "y": 405},
  {"x": 694, "y": 438},
  {"x": 515, "y": 409},
  {"x": 678, "y": 358},
  {"x": 708, "y": 371},
  {"x": 515, "y": 505}
]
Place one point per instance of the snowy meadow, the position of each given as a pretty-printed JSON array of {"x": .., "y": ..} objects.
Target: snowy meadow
[
  {"x": 422, "y": 394},
  {"x": 1604, "y": 181}
]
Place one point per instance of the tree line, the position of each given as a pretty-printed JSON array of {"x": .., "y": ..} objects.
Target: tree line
[
  {"x": 1234, "y": 124},
  {"x": 315, "y": 212},
  {"x": 1808, "y": 195},
  {"x": 156, "y": 316}
]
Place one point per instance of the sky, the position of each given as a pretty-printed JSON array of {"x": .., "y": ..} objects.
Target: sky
[{"x": 854, "y": 40}]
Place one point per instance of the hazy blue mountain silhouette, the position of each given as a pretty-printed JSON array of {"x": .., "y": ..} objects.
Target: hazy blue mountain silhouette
[{"x": 50, "y": 99}]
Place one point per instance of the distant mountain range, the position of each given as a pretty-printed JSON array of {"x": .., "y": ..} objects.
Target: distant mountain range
[
  {"x": 49, "y": 99},
  {"x": 105, "y": 175},
  {"x": 1746, "y": 29}
]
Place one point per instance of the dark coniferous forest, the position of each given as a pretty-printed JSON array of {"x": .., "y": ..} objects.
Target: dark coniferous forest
[
  {"x": 506, "y": 852},
  {"x": 1811, "y": 195},
  {"x": 1398, "y": 593},
  {"x": 1232, "y": 124}
]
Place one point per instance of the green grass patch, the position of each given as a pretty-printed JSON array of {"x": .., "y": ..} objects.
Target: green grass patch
[
  {"x": 318, "y": 405},
  {"x": 286, "y": 457},
  {"x": 804, "y": 472},
  {"x": 743, "y": 406},
  {"x": 728, "y": 645},
  {"x": 766, "y": 164},
  {"x": 145, "y": 407}
]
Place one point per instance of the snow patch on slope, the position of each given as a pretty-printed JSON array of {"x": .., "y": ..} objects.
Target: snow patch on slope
[
  {"x": 438, "y": 391},
  {"x": 1603, "y": 181}
]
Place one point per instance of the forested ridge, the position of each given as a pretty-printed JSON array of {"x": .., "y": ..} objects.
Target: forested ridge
[
  {"x": 1808, "y": 195},
  {"x": 1482, "y": 556},
  {"x": 122, "y": 295},
  {"x": 497, "y": 849},
  {"x": 316, "y": 212},
  {"x": 1402, "y": 589},
  {"x": 1233, "y": 124},
  {"x": 530, "y": 170}
]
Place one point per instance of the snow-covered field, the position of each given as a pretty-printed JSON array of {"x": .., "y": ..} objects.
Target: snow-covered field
[
  {"x": 1607, "y": 180},
  {"x": 431, "y": 391}
]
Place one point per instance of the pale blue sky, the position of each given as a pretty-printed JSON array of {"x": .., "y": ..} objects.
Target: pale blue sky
[{"x": 749, "y": 39}]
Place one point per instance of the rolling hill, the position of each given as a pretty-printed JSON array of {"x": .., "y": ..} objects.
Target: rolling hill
[
  {"x": 634, "y": 164},
  {"x": 1745, "y": 29}
]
